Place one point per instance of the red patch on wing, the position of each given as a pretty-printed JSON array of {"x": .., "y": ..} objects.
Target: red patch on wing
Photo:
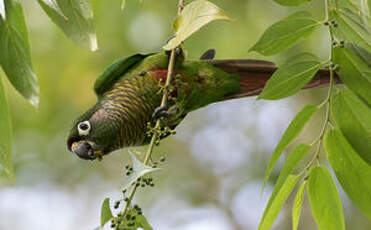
[{"x": 161, "y": 74}]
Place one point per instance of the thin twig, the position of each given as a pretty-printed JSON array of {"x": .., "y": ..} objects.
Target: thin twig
[
  {"x": 158, "y": 122},
  {"x": 327, "y": 101}
]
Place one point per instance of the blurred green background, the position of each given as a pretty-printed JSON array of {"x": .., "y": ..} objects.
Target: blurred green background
[{"x": 215, "y": 164}]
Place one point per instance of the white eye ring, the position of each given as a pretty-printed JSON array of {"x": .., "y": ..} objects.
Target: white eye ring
[{"x": 84, "y": 128}]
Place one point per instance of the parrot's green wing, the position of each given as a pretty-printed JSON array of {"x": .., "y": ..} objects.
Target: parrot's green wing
[{"x": 115, "y": 71}]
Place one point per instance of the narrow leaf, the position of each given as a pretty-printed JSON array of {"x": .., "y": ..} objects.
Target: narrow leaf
[
  {"x": 123, "y": 3},
  {"x": 15, "y": 55},
  {"x": 354, "y": 120},
  {"x": 286, "y": 33},
  {"x": 353, "y": 72},
  {"x": 351, "y": 27},
  {"x": 75, "y": 18},
  {"x": 344, "y": 4},
  {"x": 297, "y": 206},
  {"x": 291, "y": 2},
  {"x": 5, "y": 136},
  {"x": 361, "y": 53},
  {"x": 139, "y": 170},
  {"x": 324, "y": 200},
  {"x": 353, "y": 173},
  {"x": 294, "y": 129},
  {"x": 292, "y": 76},
  {"x": 106, "y": 214},
  {"x": 142, "y": 222},
  {"x": 194, "y": 16},
  {"x": 53, "y": 5},
  {"x": 273, "y": 210},
  {"x": 292, "y": 161}
]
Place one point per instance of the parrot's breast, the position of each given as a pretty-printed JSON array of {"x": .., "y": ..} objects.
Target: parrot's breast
[{"x": 130, "y": 103}]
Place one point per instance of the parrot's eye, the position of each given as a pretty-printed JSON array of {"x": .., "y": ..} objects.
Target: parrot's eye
[{"x": 84, "y": 128}]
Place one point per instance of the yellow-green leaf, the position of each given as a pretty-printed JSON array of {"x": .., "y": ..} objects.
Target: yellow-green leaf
[
  {"x": 360, "y": 52},
  {"x": 15, "y": 55},
  {"x": 292, "y": 76},
  {"x": 351, "y": 27},
  {"x": 324, "y": 200},
  {"x": 353, "y": 72},
  {"x": 123, "y": 3},
  {"x": 75, "y": 18},
  {"x": 294, "y": 129},
  {"x": 297, "y": 205},
  {"x": 141, "y": 221},
  {"x": 354, "y": 120},
  {"x": 5, "y": 136},
  {"x": 292, "y": 161},
  {"x": 106, "y": 214},
  {"x": 286, "y": 33},
  {"x": 353, "y": 173},
  {"x": 273, "y": 210},
  {"x": 194, "y": 16},
  {"x": 291, "y": 2}
]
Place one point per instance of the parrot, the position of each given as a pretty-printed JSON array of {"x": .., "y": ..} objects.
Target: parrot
[{"x": 129, "y": 94}]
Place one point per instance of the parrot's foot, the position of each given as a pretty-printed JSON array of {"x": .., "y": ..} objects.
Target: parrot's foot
[
  {"x": 164, "y": 111},
  {"x": 180, "y": 54}
]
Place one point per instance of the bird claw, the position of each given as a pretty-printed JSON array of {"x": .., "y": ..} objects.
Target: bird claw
[
  {"x": 160, "y": 111},
  {"x": 164, "y": 111}
]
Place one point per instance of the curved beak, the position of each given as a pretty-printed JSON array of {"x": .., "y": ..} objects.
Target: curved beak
[{"x": 84, "y": 150}]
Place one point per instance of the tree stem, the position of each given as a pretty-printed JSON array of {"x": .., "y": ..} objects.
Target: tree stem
[{"x": 158, "y": 123}]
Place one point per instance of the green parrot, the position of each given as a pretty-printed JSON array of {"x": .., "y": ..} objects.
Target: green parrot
[{"x": 130, "y": 91}]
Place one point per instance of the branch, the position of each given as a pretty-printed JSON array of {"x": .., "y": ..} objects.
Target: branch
[{"x": 165, "y": 94}]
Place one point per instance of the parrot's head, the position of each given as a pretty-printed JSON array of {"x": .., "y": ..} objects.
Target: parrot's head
[{"x": 93, "y": 134}]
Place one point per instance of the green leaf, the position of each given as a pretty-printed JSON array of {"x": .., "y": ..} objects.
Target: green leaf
[
  {"x": 292, "y": 76},
  {"x": 5, "y": 135},
  {"x": 15, "y": 55},
  {"x": 294, "y": 129},
  {"x": 351, "y": 27},
  {"x": 292, "y": 161},
  {"x": 106, "y": 214},
  {"x": 361, "y": 53},
  {"x": 297, "y": 205},
  {"x": 139, "y": 170},
  {"x": 354, "y": 120},
  {"x": 294, "y": 158},
  {"x": 52, "y": 4},
  {"x": 123, "y": 3},
  {"x": 344, "y": 4},
  {"x": 142, "y": 222},
  {"x": 75, "y": 18},
  {"x": 353, "y": 72},
  {"x": 273, "y": 210},
  {"x": 353, "y": 173},
  {"x": 291, "y": 2},
  {"x": 324, "y": 200},
  {"x": 139, "y": 222},
  {"x": 194, "y": 16},
  {"x": 286, "y": 33}
]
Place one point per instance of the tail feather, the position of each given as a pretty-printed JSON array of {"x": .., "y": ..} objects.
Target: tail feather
[{"x": 255, "y": 74}]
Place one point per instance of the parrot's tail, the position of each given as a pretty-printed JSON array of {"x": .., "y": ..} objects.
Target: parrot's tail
[{"x": 255, "y": 74}]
